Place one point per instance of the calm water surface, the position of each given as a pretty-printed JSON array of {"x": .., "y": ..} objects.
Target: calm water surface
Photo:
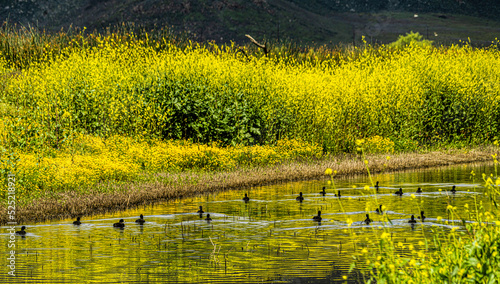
[{"x": 272, "y": 238}]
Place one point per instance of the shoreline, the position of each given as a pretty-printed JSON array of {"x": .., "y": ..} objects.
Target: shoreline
[{"x": 168, "y": 186}]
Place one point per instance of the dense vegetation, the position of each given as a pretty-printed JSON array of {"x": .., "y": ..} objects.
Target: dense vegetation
[{"x": 57, "y": 89}]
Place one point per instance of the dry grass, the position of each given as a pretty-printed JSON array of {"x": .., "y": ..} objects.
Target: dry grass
[{"x": 172, "y": 186}]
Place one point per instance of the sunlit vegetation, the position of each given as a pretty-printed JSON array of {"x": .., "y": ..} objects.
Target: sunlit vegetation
[
  {"x": 467, "y": 253},
  {"x": 141, "y": 97}
]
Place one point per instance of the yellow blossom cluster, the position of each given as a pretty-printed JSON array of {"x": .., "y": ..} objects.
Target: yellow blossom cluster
[
  {"x": 378, "y": 144},
  {"x": 213, "y": 93},
  {"x": 90, "y": 159}
]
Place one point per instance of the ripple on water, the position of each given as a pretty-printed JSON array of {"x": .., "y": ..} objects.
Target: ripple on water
[{"x": 270, "y": 238}]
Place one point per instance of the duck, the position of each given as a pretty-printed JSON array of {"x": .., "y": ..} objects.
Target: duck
[
  {"x": 119, "y": 224},
  {"x": 141, "y": 220},
  {"x": 201, "y": 210},
  {"x": 317, "y": 218},
  {"x": 22, "y": 232},
  {"x": 399, "y": 192},
  {"x": 453, "y": 190},
  {"x": 246, "y": 198},
  {"x": 379, "y": 210},
  {"x": 368, "y": 220},
  {"x": 300, "y": 198},
  {"x": 376, "y": 186},
  {"x": 208, "y": 219},
  {"x": 323, "y": 192},
  {"x": 77, "y": 222},
  {"x": 419, "y": 190},
  {"x": 412, "y": 221},
  {"x": 338, "y": 194},
  {"x": 422, "y": 216}
]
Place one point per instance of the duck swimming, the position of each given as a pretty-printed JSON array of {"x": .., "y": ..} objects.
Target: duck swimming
[
  {"x": 412, "y": 221},
  {"x": 376, "y": 186},
  {"x": 421, "y": 217},
  {"x": 22, "y": 232},
  {"x": 300, "y": 198},
  {"x": 368, "y": 220},
  {"x": 399, "y": 192},
  {"x": 379, "y": 210},
  {"x": 119, "y": 224},
  {"x": 246, "y": 198},
  {"x": 338, "y": 194},
  {"x": 77, "y": 222},
  {"x": 419, "y": 190},
  {"x": 208, "y": 219},
  {"x": 201, "y": 210},
  {"x": 323, "y": 192},
  {"x": 140, "y": 220},
  {"x": 453, "y": 190},
  {"x": 317, "y": 218}
]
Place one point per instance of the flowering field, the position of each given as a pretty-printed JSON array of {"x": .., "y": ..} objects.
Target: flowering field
[{"x": 229, "y": 102}]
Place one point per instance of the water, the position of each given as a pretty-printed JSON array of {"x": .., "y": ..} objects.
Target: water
[{"x": 272, "y": 238}]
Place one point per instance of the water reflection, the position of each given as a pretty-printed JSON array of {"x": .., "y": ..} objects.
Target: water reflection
[{"x": 272, "y": 237}]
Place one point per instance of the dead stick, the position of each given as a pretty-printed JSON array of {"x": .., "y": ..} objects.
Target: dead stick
[{"x": 263, "y": 46}]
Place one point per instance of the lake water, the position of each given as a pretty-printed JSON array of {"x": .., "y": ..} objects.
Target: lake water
[{"x": 270, "y": 239}]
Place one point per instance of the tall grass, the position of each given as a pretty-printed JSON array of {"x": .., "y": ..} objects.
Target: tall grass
[{"x": 130, "y": 86}]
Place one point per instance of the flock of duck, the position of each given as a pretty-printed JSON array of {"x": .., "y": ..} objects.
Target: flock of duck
[
  {"x": 378, "y": 210},
  {"x": 299, "y": 198}
]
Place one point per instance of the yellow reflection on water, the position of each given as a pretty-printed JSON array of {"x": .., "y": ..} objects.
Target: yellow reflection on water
[{"x": 270, "y": 238}]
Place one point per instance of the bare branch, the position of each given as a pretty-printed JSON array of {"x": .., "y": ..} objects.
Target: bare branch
[{"x": 263, "y": 46}]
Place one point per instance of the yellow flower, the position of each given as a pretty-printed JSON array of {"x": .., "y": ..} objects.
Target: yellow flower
[{"x": 328, "y": 171}]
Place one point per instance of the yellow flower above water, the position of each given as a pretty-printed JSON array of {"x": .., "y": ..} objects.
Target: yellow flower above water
[{"x": 328, "y": 171}]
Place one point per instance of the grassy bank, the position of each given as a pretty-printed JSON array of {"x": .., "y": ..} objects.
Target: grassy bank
[{"x": 109, "y": 196}]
